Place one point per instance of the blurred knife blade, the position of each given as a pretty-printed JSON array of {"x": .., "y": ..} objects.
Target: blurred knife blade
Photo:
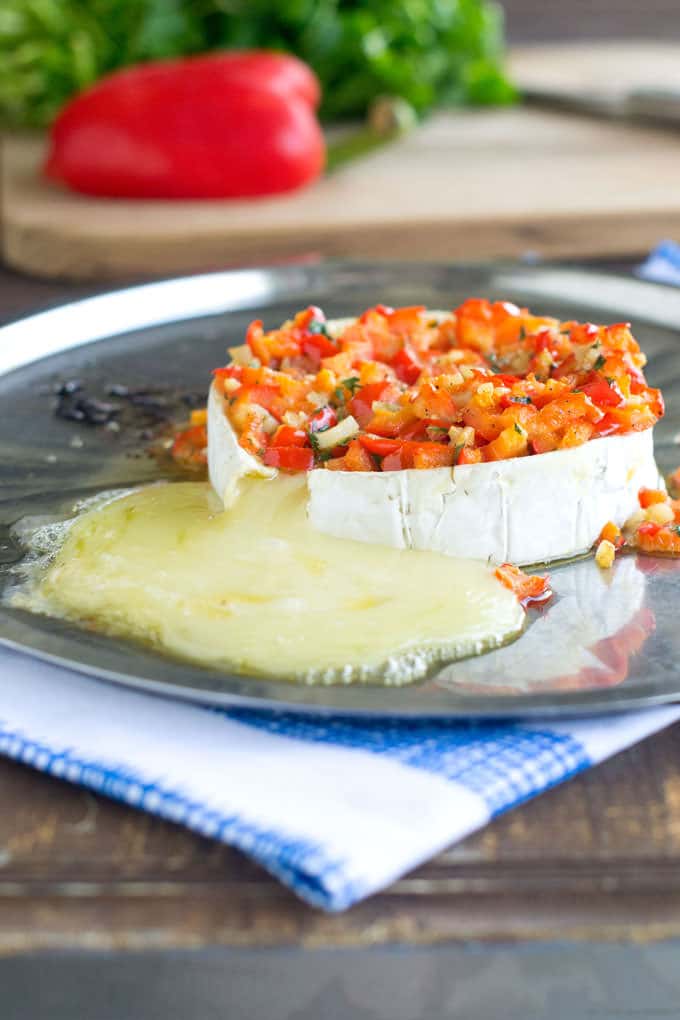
[{"x": 654, "y": 106}]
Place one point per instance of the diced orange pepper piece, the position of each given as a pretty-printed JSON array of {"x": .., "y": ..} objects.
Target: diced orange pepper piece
[
  {"x": 611, "y": 533},
  {"x": 512, "y": 442},
  {"x": 648, "y": 497},
  {"x": 470, "y": 455},
  {"x": 664, "y": 539},
  {"x": 199, "y": 417},
  {"x": 357, "y": 458},
  {"x": 432, "y": 455}
]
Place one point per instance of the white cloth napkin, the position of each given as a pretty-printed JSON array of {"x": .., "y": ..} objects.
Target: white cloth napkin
[{"x": 336, "y": 808}]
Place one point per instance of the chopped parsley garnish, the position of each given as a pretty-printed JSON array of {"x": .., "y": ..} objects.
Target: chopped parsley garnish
[
  {"x": 316, "y": 326},
  {"x": 522, "y": 333},
  {"x": 351, "y": 384},
  {"x": 599, "y": 363},
  {"x": 518, "y": 428},
  {"x": 520, "y": 400},
  {"x": 676, "y": 528},
  {"x": 319, "y": 454}
]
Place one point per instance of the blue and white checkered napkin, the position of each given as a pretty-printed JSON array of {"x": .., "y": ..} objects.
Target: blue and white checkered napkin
[
  {"x": 335, "y": 808},
  {"x": 662, "y": 265}
]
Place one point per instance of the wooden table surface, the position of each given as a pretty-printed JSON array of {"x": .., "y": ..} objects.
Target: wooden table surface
[{"x": 596, "y": 859}]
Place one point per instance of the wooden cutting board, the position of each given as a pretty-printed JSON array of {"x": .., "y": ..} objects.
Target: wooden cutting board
[{"x": 466, "y": 184}]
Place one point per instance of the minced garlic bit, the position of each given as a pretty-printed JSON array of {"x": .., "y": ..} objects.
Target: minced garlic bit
[
  {"x": 605, "y": 554},
  {"x": 660, "y": 513},
  {"x": 296, "y": 419},
  {"x": 462, "y": 436},
  {"x": 634, "y": 521},
  {"x": 317, "y": 399}
]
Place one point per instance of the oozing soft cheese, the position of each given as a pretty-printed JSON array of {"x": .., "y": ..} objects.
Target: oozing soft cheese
[
  {"x": 525, "y": 510},
  {"x": 258, "y": 590}
]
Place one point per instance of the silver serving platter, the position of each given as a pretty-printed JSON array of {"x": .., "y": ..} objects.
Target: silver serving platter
[{"x": 608, "y": 642}]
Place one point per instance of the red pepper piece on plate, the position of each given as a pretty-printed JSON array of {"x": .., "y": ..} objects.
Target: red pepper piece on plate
[{"x": 527, "y": 587}]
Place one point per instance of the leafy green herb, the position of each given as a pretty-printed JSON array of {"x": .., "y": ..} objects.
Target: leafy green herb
[
  {"x": 50, "y": 49},
  {"x": 350, "y": 385},
  {"x": 599, "y": 363},
  {"x": 319, "y": 454},
  {"x": 316, "y": 326},
  {"x": 518, "y": 428},
  {"x": 426, "y": 52},
  {"x": 676, "y": 528},
  {"x": 522, "y": 333},
  {"x": 520, "y": 400}
]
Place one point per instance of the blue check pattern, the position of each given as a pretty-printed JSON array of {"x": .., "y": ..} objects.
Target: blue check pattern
[{"x": 503, "y": 763}]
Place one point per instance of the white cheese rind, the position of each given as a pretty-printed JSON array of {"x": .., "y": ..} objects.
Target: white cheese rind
[
  {"x": 228, "y": 462},
  {"x": 524, "y": 510}
]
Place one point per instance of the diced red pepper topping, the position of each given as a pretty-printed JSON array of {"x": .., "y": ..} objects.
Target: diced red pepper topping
[
  {"x": 361, "y": 404},
  {"x": 519, "y": 385},
  {"x": 407, "y": 366},
  {"x": 289, "y": 458},
  {"x": 317, "y": 346},
  {"x": 325, "y": 418},
  {"x": 603, "y": 393},
  {"x": 379, "y": 445},
  {"x": 285, "y": 435},
  {"x": 648, "y": 497}
]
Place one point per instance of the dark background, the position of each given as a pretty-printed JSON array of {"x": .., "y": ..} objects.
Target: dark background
[{"x": 560, "y": 20}]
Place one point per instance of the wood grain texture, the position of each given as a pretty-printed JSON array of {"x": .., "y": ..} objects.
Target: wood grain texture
[
  {"x": 596, "y": 859},
  {"x": 538, "y": 21},
  {"x": 465, "y": 184}
]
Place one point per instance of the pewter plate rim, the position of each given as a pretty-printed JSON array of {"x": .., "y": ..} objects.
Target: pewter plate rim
[{"x": 104, "y": 318}]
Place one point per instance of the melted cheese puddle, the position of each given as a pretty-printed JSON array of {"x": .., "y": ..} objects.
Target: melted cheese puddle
[{"x": 255, "y": 589}]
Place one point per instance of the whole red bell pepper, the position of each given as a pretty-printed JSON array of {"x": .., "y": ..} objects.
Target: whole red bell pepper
[{"x": 226, "y": 125}]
